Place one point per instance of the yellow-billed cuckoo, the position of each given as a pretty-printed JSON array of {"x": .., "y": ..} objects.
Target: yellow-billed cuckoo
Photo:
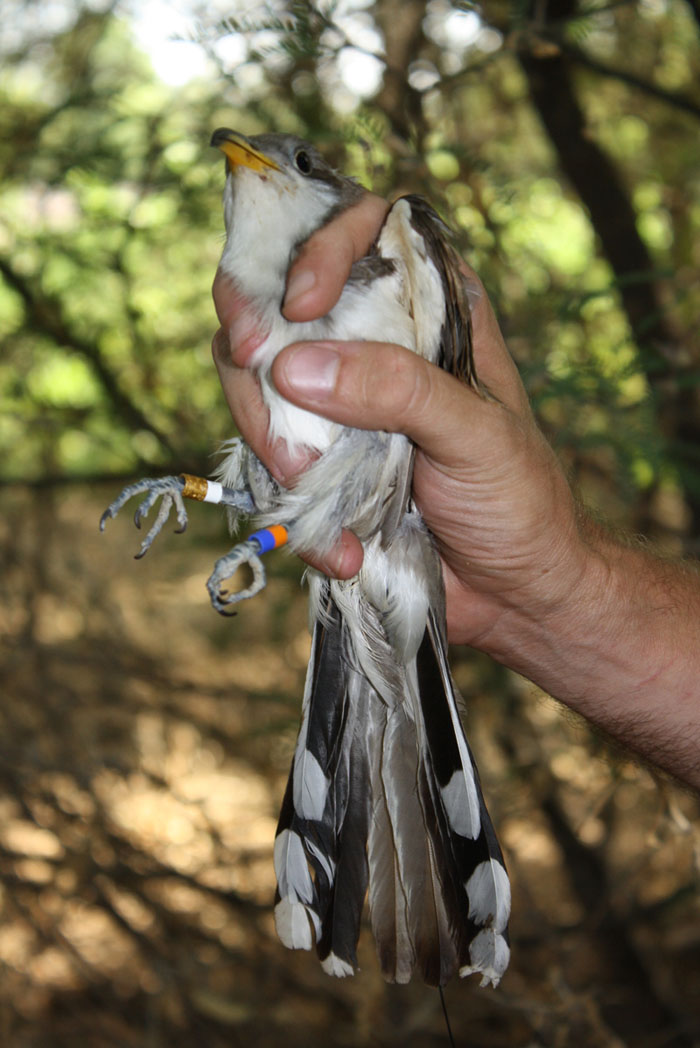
[{"x": 383, "y": 794}]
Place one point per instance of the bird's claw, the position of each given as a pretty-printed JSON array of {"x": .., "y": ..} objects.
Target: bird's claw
[
  {"x": 169, "y": 488},
  {"x": 244, "y": 553}
]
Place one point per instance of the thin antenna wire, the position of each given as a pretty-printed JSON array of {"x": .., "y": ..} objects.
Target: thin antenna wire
[{"x": 447, "y": 1018}]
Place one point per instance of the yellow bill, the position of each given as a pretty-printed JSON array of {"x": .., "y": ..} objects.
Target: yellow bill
[{"x": 240, "y": 153}]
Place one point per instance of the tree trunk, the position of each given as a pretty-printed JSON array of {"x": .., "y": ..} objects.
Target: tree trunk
[{"x": 597, "y": 182}]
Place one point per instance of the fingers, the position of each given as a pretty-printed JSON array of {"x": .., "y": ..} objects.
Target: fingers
[
  {"x": 315, "y": 284},
  {"x": 492, "y": 361},
  {"x": 318, "y": 275},
  {"x": 315, "y": 281},
  {"x": 242, "y": 330},
  {"x": 339, "y": 381},
  {"x": 244, "y": 398},
  {"x": 343, "y": 561}
]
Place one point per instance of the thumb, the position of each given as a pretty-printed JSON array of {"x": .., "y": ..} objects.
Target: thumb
[{"x": 375, "y": 385}]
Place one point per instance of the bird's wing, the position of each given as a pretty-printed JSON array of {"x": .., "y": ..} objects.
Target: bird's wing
[{"x": 436, "y": 293}]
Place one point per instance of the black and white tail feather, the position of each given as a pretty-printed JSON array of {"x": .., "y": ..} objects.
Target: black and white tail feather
[
  {"x": 384, "y": 793},
  {"x": 383, "y": 797}
]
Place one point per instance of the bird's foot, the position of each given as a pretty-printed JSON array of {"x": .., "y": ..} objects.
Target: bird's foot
[
  {"x": 169, "y": 488},
  {"x": 173, "y": 490},
  {"x": 245, "y": 553},
  {"x": 248, "y": 552}
]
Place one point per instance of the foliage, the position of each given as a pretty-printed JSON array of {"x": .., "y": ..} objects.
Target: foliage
[
  {"x": 110, "y": 219},
  {"x": 110, "y": 233}
]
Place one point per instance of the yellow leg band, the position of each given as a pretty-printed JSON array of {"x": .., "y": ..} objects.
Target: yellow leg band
[{"x": 195, "y": 487}]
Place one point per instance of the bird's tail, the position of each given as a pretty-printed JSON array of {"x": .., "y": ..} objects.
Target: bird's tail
[{"x": 386, "y": 795}]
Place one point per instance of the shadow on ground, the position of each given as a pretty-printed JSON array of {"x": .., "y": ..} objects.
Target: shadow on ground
[{"x": 144, "y": 747}]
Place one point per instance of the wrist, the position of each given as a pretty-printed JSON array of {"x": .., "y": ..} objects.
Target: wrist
[
  {"x": 622, "y": 649},
  {"x": 537, "y": 633}
]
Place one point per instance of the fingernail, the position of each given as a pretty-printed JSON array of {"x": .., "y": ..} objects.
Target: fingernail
[
  {"x": 299, "y": 283},
  {"x": 312, "y": 370}
]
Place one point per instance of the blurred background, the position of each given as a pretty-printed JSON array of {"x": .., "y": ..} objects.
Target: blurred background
[{"x": 145, "y": 741}]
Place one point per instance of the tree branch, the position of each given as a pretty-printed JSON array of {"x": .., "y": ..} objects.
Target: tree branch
[
  {"x": 44, "y": 316},
  {"x": 694, "y": 6},
  {"x": 670, "y": 98}
]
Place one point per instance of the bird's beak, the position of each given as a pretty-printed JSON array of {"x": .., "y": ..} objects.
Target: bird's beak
[{"x": 240, "y": 153}]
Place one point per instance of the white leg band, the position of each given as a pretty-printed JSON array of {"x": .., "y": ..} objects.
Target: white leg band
[{"x": 215, "y": 491}]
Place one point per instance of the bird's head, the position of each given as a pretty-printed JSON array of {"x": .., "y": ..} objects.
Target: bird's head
[{"x": 279, "y": 190}]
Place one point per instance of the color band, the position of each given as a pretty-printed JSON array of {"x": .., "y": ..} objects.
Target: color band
[
  {"x": 269, "y": 538},
  {"x": 215, "y": 491},
  {"x": 194, "y": 487},
  {"x": 201, "y": 490}
]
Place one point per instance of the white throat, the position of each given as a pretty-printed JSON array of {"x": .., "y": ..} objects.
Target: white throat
[{"x": 267, "y": 217}]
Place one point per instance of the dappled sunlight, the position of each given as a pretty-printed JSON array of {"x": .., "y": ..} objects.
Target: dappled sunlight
[{"x": 141, "y": 785}]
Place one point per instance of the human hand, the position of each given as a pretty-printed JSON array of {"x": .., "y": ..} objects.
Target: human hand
[{"x": 487, "y": 483}]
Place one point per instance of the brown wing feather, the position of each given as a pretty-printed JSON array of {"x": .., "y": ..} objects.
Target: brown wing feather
[{"x": 456, "y": 353}]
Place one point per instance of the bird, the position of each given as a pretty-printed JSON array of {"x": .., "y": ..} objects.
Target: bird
[{"x": 383, "y": 800}]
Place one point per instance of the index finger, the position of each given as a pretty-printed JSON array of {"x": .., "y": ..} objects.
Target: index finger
[{"x": 318, "y": 276}]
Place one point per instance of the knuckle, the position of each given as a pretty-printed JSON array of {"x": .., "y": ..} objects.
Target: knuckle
[
  {"x": 405, "y": 385},
  {"x": 412, "y": 386}
]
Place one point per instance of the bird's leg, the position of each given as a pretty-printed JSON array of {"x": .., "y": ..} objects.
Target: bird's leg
[
  {"x": 250, "y": 553},
  {"x": 173, "y": 491}
]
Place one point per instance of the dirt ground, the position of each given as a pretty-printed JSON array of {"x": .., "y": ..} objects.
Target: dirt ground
[{"x": 144, "y": 747}]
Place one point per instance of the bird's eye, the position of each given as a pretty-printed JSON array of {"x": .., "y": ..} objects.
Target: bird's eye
[{"x": 303, "y": 162}]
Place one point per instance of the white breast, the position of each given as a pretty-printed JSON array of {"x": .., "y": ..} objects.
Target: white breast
[
  {"x": 369, "y": 312},
  {"x": 406, "y": 307}
]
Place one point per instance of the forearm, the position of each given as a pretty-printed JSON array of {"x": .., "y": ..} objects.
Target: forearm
[{"x": 623, "y": 651}]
